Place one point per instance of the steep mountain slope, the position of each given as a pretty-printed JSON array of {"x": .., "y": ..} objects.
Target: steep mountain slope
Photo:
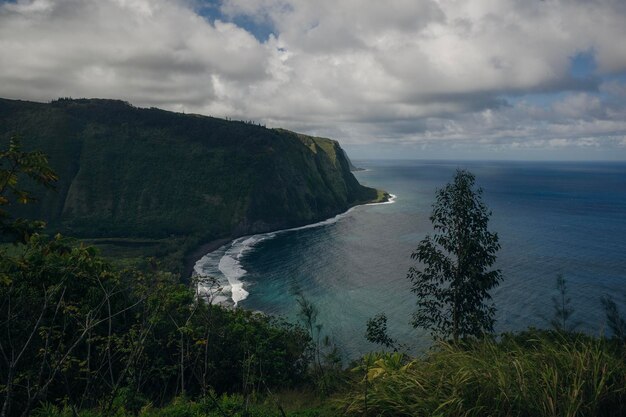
[{"x": 131, "y": 172}]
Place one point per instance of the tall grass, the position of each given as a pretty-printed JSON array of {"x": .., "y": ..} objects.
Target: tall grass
[{"x": 532, "y": 374}]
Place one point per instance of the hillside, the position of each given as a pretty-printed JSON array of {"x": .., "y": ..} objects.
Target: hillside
[{"x": 132, "y": 173}]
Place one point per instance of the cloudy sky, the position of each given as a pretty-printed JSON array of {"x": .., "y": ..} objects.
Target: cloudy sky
[{"x": 490, "y": 79}]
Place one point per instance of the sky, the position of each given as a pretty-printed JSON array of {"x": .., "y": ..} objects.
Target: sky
[{"x": 445, "y": 79}]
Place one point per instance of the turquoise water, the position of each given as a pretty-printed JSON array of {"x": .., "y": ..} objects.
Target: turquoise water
[{"x": 552, "y": 218}]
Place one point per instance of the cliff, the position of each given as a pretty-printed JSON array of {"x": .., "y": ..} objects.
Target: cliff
[{"x": 149, "y": 173}]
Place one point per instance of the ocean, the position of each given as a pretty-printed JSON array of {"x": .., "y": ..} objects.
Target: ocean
[{"x": 552, "y": 218}]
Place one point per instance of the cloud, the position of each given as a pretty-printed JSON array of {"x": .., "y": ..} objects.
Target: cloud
[
  {"x": 148, "y": 52},
  {"x": 483, "y": 73},
  {"x": 580, "y": 107}
]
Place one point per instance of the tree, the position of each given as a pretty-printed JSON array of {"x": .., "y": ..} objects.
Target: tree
[
  {"x": 616, "y": 322},
  {"x": 377, "y": 332},
  {"x": 561, "y": 307},
  {"x": 454, "y": 281},
  {"x": 14, "y": 164}
]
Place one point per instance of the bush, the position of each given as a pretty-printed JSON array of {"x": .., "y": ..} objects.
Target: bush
[{"x": 82, "y": 333}]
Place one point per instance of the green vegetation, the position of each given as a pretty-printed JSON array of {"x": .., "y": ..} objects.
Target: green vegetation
[
  {"x": 62, "y": 303},
  {"x": 326, "y": 359},
  {"x": 376, "y": 332},
  {"x": 533, "y": 373},
  {"x": 14, "y": 163},
  {"x": 179, "y": 180},
  {"x": 454, "y": 283},
  {"x": 76, "y": 331},
  {"x": 234, "y": 405},
  {"x": 78, "y": 334},
  {"x": 80, "y": 337},
  {"x": 616, "y": 322},
  {"x": 561, "y": 320},
  {"x": 530, "y": 374}
]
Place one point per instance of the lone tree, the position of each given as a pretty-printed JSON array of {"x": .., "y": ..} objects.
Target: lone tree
[{"x": 453, "y": 285}]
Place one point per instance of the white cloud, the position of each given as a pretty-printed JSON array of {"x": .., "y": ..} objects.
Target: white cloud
[
  {"x": 579, "y": 106},
  {"x": 149, "y": 52},
  {"x": 401, "y": 71}
]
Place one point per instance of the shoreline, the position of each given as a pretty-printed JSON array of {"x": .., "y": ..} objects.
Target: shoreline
[
  {"x": 190, "y": 260},
  {"x": 199, "y": 252},
  {"x": 213, "y": 245}
]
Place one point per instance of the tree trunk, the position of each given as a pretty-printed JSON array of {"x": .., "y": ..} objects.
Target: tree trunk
[
  {"x": 9, "y": 392},
  {"x": 182, "y": 364}
]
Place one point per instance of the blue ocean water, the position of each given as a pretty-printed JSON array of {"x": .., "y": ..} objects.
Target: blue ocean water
[{"x": 551, "y": 218}]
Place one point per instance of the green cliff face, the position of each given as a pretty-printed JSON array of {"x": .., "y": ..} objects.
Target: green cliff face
[{"x": 130, "y": 172}]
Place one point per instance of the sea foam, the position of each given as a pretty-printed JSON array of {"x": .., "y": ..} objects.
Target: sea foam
[{"x": 391, "y": 200}]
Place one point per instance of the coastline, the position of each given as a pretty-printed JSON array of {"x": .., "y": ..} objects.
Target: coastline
[
  {"x": 199, "y": 252},
  {"x": 206, "y": 249},
  {"x": 212, "y": 245}
]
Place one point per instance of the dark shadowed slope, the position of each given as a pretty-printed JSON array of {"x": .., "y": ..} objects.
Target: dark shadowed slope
[{"x": 149, "y": 173}]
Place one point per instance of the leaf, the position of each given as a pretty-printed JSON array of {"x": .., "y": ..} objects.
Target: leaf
[{"x": 5, "y": 279}]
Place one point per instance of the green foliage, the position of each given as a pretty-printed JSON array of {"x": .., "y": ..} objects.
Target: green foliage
[
  {"x": 127, "y": 172},
  {"x": 616, "y": 322},
  {"x": 531, "y": 374},
  {"x": 226, "y": 405},
  {"x": 15, "y": 166},
  {"x": 377, "y": 331},
  {"x": 325, "y": 354},
  {"x": 561, "y": 307},
  {"x": 78, "y": 332},
  {"x": 453, "y": 286},
  {"x": 81, "y": 338},
  {"x": 377, "y": 364}
]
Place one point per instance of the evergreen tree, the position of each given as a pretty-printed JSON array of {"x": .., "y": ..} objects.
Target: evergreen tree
[
  {"x": 452, "y": 283},
  {"x": 561, "y": 307}
]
